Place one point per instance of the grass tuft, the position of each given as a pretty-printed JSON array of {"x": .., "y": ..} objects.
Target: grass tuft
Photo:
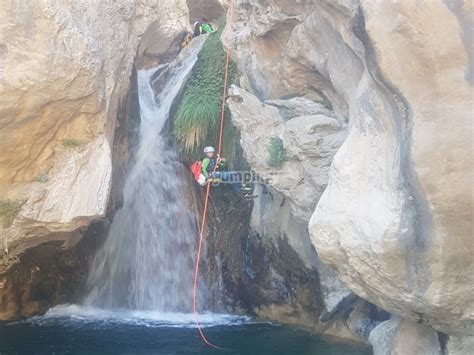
[{"x": 197, "y": 118}]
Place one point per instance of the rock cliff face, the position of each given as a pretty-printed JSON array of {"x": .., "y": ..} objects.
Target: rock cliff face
[
  {"x": 395, "y": 220},
  {"x": 64, "y": 70},
  {"x": 311, "y": 134}
]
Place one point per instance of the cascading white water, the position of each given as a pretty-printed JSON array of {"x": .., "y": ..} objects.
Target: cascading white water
[{"x": 146, "y": 262}]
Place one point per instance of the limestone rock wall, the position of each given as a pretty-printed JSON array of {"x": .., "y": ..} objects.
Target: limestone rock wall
[
  {"x": 310, "y": 134},
  {"x": 64, "y": 69},
  {"x": 395, "y": 220}
]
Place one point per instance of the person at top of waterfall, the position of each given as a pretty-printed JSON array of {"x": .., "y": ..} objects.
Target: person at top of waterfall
[
  {"x": 202, "y": 27},
  {"x": 206, "y": 27},
  {"x": 196, "y": 28}
]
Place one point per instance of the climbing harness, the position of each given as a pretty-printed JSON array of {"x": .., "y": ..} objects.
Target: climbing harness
[{"x": 208, "y": 188}]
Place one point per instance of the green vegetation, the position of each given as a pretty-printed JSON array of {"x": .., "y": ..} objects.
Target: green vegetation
[
  {"x": 8, "y": 211},
  {"x": 197, "y": 117},
  {"x": 71, "y": 143},
  {"x": 277, "y": 153}
]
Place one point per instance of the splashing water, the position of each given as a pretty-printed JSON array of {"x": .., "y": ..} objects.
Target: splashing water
[
  {"x": 73, "y": 315},
  {"x": 146, "y": 263}
]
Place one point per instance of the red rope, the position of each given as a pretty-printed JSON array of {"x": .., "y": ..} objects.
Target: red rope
[{"x": 208, "y": 189}]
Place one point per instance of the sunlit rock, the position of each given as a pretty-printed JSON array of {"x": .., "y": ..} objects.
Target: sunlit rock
[{"x": 64, "y": 69}]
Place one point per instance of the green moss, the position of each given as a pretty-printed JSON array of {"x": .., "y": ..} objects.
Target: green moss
[
  {"x": 197, "y": 118},
  {"x": 71, "y": 143},
  {"x": 277, "y": 152},
  {"x": 8, "y": 211}
]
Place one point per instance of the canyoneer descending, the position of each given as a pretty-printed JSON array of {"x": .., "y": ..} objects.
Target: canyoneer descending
[
  {"x": 208, "y": 170},
  {"x": 208, "y": 186}
]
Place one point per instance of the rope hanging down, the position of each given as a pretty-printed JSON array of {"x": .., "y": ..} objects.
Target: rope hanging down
[{"x": 208, "y": 189}]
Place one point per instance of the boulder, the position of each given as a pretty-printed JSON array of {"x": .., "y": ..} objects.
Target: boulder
[
  {"x": 402, "y": 337},
  {"x": 386, "y": 220}
]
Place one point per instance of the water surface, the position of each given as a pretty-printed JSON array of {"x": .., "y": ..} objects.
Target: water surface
[{"x": 79, "y": 330}]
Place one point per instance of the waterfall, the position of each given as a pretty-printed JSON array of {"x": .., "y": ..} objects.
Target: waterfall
[{"x": 146, "y": 262}]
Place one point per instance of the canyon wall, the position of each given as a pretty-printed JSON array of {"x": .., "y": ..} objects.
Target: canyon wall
[
  {"x": 65, "y": 68},
  {"x": 280, "y": 98},
  {"x": 395, "y": 220}
]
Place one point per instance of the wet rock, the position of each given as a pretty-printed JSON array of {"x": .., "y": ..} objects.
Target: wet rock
[
  {"x": 47, "y": 275},
  {"x": 263, "y": 268}
]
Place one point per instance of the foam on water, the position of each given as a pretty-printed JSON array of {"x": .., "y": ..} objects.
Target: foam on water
[{"x": 76, "y": 315}]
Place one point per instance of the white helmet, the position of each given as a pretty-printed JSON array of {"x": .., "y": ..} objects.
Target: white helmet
[{"x": 209, "y": 150}]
